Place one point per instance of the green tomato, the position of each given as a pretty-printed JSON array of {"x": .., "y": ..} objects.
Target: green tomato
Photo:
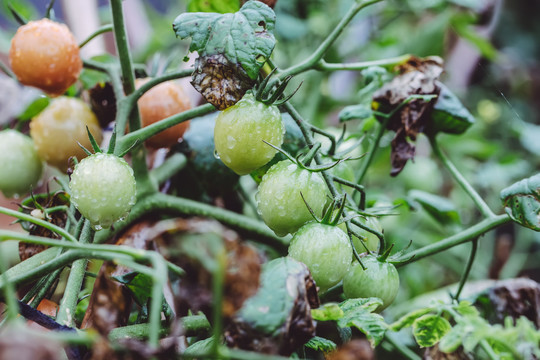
[
  {"x": 20, "y": 165},
  {"x": 371, "y": 241},
  {"x": 380, "y": 279},
  {"x": 326, "y": 251},
  {"x": 240, "y": 131},
  {"x": 103, "y": 189},
  {"x": 279, "y": 201}
]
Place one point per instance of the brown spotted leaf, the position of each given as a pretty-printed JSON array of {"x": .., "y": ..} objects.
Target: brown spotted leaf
[
  {"x": 277, "y": 319},
  {"x": 403, "y": 97}
]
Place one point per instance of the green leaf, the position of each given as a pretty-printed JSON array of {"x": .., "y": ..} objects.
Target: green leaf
[
  {"x": 442, "y": 209},
  {"x": 217, "y": 6},
  {"x": 34, "y": 108},
  {"x": 448, "y": 114},
  {"x": 429, "y": 329},
  {"x": 245, "y": 37},
  {"x": 358, "y": 313},
  {"x": 463, "y": 25},
  {"x": 327, "y": 312},
  {"x": 522, "y": 202},
  {"x": 452, "y": 340},
  {"x": 466, "y": 308},
  {"x": 408, "y": 319},
  {"x": 355, "y": 112},
  {"x": 140, "y": 286},
  {"x": 200, "y": 348},
  {"x": 321, "y": 344}
]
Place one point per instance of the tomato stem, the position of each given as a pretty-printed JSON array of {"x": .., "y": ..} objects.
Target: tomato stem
[{"x": 465, "y": 276}]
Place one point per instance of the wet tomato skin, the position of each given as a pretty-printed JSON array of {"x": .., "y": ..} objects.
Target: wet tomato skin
[
  {"x": 58, "y": 128},
  {"x": 326, "y": 251},
  {"x": 160, "y": 102},
  {"x": 103, "y": 189},
  {"x": 44, "y": 54},
  {"x": 20, "y": 165},
  {"x": 380, "y": 279},
  {"x": 240, "y": 131},
  {"x": 279, "y": 201}
]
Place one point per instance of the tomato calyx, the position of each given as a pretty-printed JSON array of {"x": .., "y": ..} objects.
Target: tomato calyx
[{"x": 274, "y": 94}]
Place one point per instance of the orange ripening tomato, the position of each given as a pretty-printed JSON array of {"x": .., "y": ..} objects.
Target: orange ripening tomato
[
  {"x": 160, "y": 102},
  {"x": 44, "y": 54}
]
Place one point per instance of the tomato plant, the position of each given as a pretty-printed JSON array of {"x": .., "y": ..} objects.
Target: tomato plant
[
  {"x": 240, "y": 133},
  {"x": 60, "y": 127},
  {"x": 341, "y": 108},
  {"x": 20, "y": 163},
  {"x": 103, "y": 189},
  {"x": 44, "y": 54}
]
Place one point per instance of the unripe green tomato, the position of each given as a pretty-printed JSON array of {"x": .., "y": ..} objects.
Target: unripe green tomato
[
  {"x": 20, "y": 165},
  {"x": 371, "y": 241},
  {"x": 103, "y": 189},
  {"x": 380, "y": 279},
  {"x": 279, "y": 201},
  {"x": 240, "y": 131},
  {"x": 326, "y": 251},
  {"x": 59, "y": 128}
]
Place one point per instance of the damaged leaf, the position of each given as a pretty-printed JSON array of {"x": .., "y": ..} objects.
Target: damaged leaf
[
  {"x": 277, "y": 319},
  {"x": 429, "y": 329},
  {"x": 522, "y": 202},
  {"x": 32, "y": 206},
  {"x": 404, "y": 100},
  {"x": 232, "y": 48}
]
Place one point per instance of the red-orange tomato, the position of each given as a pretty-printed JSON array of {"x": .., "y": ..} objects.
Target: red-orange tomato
[
  {"x": 160, "y": 102},
  {"x": 44, "y": 54}
]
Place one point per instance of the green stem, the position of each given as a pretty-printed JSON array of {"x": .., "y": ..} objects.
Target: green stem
[
  {"x": 102, "y": 30},
  {"x": 172, "y": 165},
  {"x": 402, "y": 349},
  {"x": 148, "y": 131},
  {"x": 388, "y": 63},
  {"x": 465, "y": 276},
  {"x": 47, "y": 225},
  {"x": 371, "y": 152},
  {"x": 313, "y": 60},
  {"x": 460, "y": 179},
  {"x": 138, "y": 155},
  {"x": 489, "y": 351},
  {"x": 68, "y": 304},
  {"x": 159, "y": 279},
  {"x": 251, "y": 227},
  {"x": 45, "y": 287},
  {"x": 218, "y": 285},
  {"x": 466, "y": 235},
  {"x": 6, "y": 70},
  {"x": 10, "y": 296},
  {"x": 194, "y": 325}
]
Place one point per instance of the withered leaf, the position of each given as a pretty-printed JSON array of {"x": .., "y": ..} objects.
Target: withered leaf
[
  {"x": 194, "y": 245},
  {"x": 277, "y": 319},
  {"x": 358, "y": 349},
  {"x": 57, "y": 218},
  {"x": 416, "y": 77},
  {"x": 219, "y": 81}
]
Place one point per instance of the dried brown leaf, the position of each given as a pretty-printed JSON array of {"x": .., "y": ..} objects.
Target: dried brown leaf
[
  {"x": 358, "y": 349},
  {"x": 220, "y": 82},
  {"x": 416, "y": 77}
]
